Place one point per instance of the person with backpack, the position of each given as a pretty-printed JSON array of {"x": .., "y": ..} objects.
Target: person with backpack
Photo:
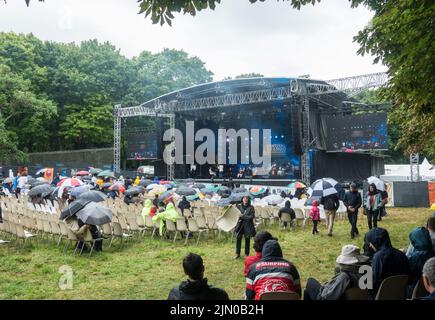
[
  {"x": 331, "y": 204},
  {"x": 346, "y": 276}
]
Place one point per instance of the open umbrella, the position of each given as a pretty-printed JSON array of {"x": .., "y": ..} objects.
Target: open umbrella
[
  {"x": 257, "y": 190},
  {"x": 296, "y": 185},
  {"x": 273, "y": 199},
  {"x": 73, "y": 208},
  {"x": 75, "y": 192},
  {"x": 324, "y": 187},
  {"x": 145, "y": 182},
  {"x": 39, "y": 190},
  {"x": 240, "y": 190},
  {"x": 166, "y": 196},
  {"x": 153, "y": 186},
  {"x": 95, "y": 214},
  {"x": 83, "y": 173},
  {"x": 192, "y": 197},
  {"x": 224, "y": 202},
  {"x": 185, "y": 191},
  {"x": 380, "y": 185},
  {"x": 134, "y": 191},
  {"x": 70, "y": 182},
  {"x": 96, "y": 196},
  {"x": 95, "y": 171},
  {"x": 199, "y": 186},
  {"x": 224, "y": 191},
  {"x": 106, "y": 173},
  {"x": 237, "y": 197},
  {"x": 117, "y": 187},
  {"x": 107, "y": 185},
  {"x": 207, "y": 190},
  {"x": 41, "y": 171}
]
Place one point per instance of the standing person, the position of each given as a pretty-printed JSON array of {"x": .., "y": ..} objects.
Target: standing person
[
  {"x": 245, "y": 226},
  {"x": 384, "y": 197},
  {"x": 15, "y": 184},
  {"x": 287, "y": 209},
  {"x": 372, "y": 205},
  {"x": 331, "y": 204},
  {"x": 315, "y": 216},
  {"x": 221, "y": 171},
  {"x": 352, "y": 201},
  {"x": 22, "y": 180}
]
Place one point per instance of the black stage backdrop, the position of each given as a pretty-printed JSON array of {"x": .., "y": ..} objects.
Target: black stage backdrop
[{"x": 345, "y": 166}]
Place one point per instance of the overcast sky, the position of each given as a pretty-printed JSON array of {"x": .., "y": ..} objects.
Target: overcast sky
[{"x": 269, "y": 38}]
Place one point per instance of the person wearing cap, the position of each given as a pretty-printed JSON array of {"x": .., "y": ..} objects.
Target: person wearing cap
[
  {"x": 352, "y": 200},
  {"x": 346, "y": 276}
]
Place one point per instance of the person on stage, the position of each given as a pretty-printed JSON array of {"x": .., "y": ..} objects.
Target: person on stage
[{"x": 245, "y": 226}]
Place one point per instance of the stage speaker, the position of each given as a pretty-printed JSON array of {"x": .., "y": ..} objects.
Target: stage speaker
[{"x": 296, "y": 125}]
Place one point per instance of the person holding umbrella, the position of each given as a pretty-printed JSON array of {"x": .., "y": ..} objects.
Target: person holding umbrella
[
  {"x": 245, "y": 226},
  {"x": 372, "y": 205},
  {"x": 352, "y": 201}
]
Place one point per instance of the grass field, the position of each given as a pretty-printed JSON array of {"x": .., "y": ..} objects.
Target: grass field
[{"x": 149, "y": 268}]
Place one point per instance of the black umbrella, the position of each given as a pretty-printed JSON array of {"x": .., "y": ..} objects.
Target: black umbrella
[
  {"x": 185, "y": 191},
  {"x": 35, "y": 191},
  {"x": 107, "y": 185},
  {"x": 95, "y": 214},
  {"x": 224, "y": 191},
  {"x": 145, "y": 182},
  {"x": 134, "y": 191},
  {"x": 96, "y": 196},
  {"x": 73, "y": 208},
  {"x": 237, "y": 197},
  {"x": 199, "y": 186}
]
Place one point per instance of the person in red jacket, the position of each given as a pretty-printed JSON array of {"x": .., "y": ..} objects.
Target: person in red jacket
[
  {"x": 315, "y": 216},
  {"x": 272, "y": 273},
  {"x": 259, "y": 241}
]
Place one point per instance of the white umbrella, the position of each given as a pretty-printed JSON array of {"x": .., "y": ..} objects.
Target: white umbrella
[
  {"x": 323, "y": 188},
  {"x": 273, "y": 199},
  {"x": 380, "y": 185}
]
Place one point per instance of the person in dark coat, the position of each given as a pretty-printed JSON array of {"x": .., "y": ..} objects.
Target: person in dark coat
[
  {"x": 283, "y": 194},
  {"x": 352, "y": 201},
  {"x": 272, "y": 273},
  {"x": 429, "y": 279},
  {"x": 184, "y": 204},
  {"x": 330, "y": 204},
  {"x": 287, "y": 209},
  {"x": 386, "y": 261},
  {"x": 156, "y": 200},
  {"x": 245, "y": 226},
  {"x": 196, "y": 286},
  {"x": 422, "y": 244}
]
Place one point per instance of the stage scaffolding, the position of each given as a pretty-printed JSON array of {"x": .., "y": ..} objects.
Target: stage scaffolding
[{"x": 299, "y": 90}]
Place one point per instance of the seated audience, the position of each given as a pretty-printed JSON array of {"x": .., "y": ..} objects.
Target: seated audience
[
  {"x": 287, "y": 209},
  {"x": 259, "y": 241},
  {"x": 169, "y": 214},
  {"x": 196, "y": 286},
  {"x": 422, "y": 244},
  {"x": 386, "y": 261},
  {"x": 272, "y": 273},
  {"x": 184, "y": 204},
  {"x": 430, "y": 225},
  {"x": 346, "y": 276},
  {"x": 429, "y": 279}
]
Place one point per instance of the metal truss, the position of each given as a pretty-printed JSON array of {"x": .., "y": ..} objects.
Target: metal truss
[
  {"x": 305, "y": 160},
  {"x": 414, "y": 161},
  {"x": 235, "y": 99},
  {"x": 349, "y": 84},
  {"x": 170, "y": 168},
  {"x": 116, "y": 138}
]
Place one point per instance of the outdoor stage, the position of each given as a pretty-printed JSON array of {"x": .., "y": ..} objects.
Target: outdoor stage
[{"x": 298, "y": 111}]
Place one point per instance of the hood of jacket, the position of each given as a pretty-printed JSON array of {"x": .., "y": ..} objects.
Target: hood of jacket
[
  {"x": 148, "y": 203},
  {"x": 271, "y": 249},
  {"x": 420, "y": 239},
  {"x": 193, "y": 287},
  {"x": 287, "y": 204},
  {"x": 379, "y": 237}
]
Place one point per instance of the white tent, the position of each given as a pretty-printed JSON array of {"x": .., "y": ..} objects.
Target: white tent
[{"x": 402, "y": 172}]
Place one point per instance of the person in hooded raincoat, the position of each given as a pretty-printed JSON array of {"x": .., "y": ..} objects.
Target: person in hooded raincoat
[
  {"x": 422, "y": 244},
  {"x": 169, "y": 214},
  {"x": 146, "y": 209},
  {"x": 136, "y": 181}
]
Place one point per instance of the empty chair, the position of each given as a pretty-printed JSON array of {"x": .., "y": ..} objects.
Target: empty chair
[
  {"x": 356, "y": 294},
  {"x": 118, "y": 233},
  {"x": 283, "y": 295},
  {"x": 393, "y": 288},
  {"x": 193, "y": 228},
  {"x": 106, "y": 229},
  {"x": 170, "y": 227},
  {"x": 22, "y": 234},
  {"x": 180, "y": 226}
]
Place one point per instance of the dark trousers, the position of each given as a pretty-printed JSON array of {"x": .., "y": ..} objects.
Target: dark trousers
[
  {"x": 239, "y": 244},
  {"x": 312, "y": 289},
  {"x": 353, "y": 218},
  {"x": 372, "y": 218},
  {"x": 315, "y": 222}
]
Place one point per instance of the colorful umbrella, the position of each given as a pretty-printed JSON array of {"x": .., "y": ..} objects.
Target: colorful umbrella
[
  {"x": 95, "y": 170},
  {"x": 83, "y": 173},
  {"x": 257, "y": 190},
  {"x": 70, "y": 182},
  {"x": 106, "y": 173},
  {"x": 117, "y": 187},
  {"x": 296, "y": 185}
]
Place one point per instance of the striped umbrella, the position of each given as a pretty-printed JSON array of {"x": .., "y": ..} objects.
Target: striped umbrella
[
  {"x": 324, "y": 187},
  {"x": 70, "y": 182}
]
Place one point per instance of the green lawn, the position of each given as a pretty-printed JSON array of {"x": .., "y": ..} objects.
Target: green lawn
[{"x": 149, "y": 268}]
